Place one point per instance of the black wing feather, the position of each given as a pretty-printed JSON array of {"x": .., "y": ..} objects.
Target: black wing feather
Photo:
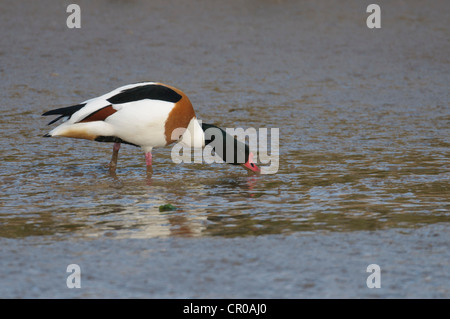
[
  {"x": 64, "y": 111},
  {"x": 149, "y": 91}
]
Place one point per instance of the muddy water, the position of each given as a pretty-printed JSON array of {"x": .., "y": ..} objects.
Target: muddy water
[{"x": 363, "y": 117}]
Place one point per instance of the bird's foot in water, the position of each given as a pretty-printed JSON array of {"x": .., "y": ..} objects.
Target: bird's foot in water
[{"x": 111, "y": 168}]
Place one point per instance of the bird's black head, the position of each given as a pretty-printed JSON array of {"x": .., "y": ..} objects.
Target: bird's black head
[{"x": 229, "y": 148}]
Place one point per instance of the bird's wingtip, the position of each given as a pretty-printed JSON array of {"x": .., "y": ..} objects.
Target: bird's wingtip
[{"x": 47, "y": 135}]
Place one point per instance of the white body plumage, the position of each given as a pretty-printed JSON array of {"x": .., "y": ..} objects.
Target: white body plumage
[{"x": 144, "y": 114}]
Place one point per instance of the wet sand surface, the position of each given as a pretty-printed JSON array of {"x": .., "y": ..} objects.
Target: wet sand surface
[{"x": 363, "y": 172}]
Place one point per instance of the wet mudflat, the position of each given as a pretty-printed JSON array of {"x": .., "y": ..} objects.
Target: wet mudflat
[{"x": 363, "y": 174}]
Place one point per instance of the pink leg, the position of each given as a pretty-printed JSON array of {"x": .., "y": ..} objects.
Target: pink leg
[
  {"x": 148, "y": 158},
  {"x": 148, "y": 161},
  {"x": 113, "y": 163}
]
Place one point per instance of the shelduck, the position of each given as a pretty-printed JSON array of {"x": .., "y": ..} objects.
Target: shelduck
[{"x": 147, "y": 115}]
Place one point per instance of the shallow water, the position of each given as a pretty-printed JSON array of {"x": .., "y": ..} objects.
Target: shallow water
[
  {"x": 363, "y": 176},
  {"x": 363, "y": 117}
]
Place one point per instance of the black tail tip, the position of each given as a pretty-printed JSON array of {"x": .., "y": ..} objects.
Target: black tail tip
[{"x": 47, "y": 135}]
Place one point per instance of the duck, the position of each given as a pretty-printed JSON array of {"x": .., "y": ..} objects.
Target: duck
[{"x": 146, "y": 115}]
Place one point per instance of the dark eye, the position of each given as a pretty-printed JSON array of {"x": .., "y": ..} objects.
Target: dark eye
[{"x": 253, "y": 165}]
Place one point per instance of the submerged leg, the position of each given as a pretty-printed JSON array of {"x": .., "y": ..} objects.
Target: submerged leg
[
  {"x": 148, "y": 161},
  {"x": 113, "y": 163}
]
